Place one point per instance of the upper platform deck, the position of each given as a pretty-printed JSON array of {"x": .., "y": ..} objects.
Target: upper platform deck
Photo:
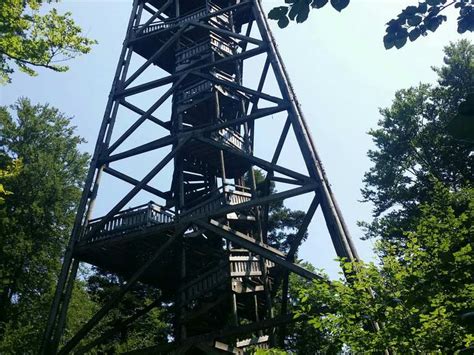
[
  {"x": 187, "y": 6},
  {"x": 151, "y": 37},
  {"x": 151, "y": 219}
]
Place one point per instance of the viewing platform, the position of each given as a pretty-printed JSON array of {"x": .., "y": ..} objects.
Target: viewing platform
[
  {"x": 146, "y": 218},
  {"x": 128, "y": 221},
  {"x": 152, "y": 36}
]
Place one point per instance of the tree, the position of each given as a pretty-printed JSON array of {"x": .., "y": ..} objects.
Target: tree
[
  {"x": 421, "y": 292},
  {"x": 411, "y": 23},
  {"x": 29, "y": 38},
  {"x": 413, "y": 147},
  {"x": 148, "y": 330},
  {"x": 36, "y": 218},
  {"x": 300, "y": 336}
]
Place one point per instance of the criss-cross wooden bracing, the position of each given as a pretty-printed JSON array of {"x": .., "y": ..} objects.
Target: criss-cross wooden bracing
[{"x": 203, "y": 241}]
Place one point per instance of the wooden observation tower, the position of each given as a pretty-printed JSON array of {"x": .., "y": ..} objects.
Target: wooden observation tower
[{"x": 203, "y": 240}]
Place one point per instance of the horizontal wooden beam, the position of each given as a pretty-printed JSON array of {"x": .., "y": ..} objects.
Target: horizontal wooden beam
[
  {"x": 284, "y": 180},
  {"x": 261, "y": 113},
  {"x": 259, "y": 201},
  {"x": 227, "y": 33}
]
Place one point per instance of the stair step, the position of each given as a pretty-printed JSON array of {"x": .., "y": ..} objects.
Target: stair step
[
  {"x": 195, "y": 187},
  {"x": 239, "y": 287},
  {"x": 252, "y": 341},
  {"x": 193, "y": 177}
]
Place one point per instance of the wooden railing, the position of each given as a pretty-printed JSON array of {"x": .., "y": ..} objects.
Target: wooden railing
[
  {"x": 244, "y": 265},
  {"x": 223, "y": 196},
  {"x": 205, "y": 282},
  {"x": 205, "y": 86},
  {"x": 222, "y": 45},
  {"x": 127, "y": 221},
  {"x": 195, "y": 15},
  {"x": 157, "y": 26},
  {"x": 239, "y": 267},
  {"x": 230, "y": 137},
  {"x": 194, "y": 90},
  {"x": 185, "y": 56}
]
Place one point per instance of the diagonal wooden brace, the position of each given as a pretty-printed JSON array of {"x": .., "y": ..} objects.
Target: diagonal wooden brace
[
  {"x": 114, "y": 300},
  {"x": 261, "y": 249}
]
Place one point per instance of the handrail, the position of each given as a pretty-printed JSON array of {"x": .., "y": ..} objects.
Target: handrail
[
  {"x": 136, "y": 217},
  {"x": 135, "y": 208},
  {"x": 222, "y": 192},
  {"x": 189, "y": 16},
  {"x": 215, "y": 42},
  {"x": 219, "y": 268}
]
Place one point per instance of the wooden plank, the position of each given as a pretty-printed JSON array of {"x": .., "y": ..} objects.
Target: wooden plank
[{"x": 252, "y": 341}]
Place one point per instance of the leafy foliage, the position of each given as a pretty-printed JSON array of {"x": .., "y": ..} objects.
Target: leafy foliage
[
  {"x": 414, "y": 21},
  {"x": 413, "y": 146},
  {"x": 411, "y": 23},
  {"x": 150, "y": 329},
  {"x": 298, "y": 10},
  {"x": 31, "y": 38},
  {"x": 9, "y": 172},
  {"x": 36, "y": 217},
  {"x": 420, "y": 291},
  {"x": 270, "y": 352},
  {"x": 462, "y": 125},
  {"x": 301, "y": 337}
]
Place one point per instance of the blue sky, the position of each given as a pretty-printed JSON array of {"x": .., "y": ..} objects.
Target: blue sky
[{"x": 339, "y": 69}]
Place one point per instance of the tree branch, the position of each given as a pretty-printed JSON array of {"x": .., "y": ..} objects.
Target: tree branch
[{"x": 24, "y": 61}]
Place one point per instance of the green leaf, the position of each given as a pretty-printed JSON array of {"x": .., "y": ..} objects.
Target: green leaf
[
  {"x": 389, "y": 40},
  {"x": 32, "y": 37},
  {"x": 414, "y": 20},
  {"x": 414, "y": 34},
  {"x": 340, "y": 5},
  {"x": 422, "y": 7},
  {"x": 283, "y": 22},
  {"x": 317, "y": 4},
  {"x": 410, "y": 10},
  {"x": 302, "y": 14},
  {"x": 433, "y": 23},
  {"x": 278, "y": 12}
]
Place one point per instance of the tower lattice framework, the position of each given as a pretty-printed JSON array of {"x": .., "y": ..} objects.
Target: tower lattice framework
[{"x": 203, "y": 240}]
